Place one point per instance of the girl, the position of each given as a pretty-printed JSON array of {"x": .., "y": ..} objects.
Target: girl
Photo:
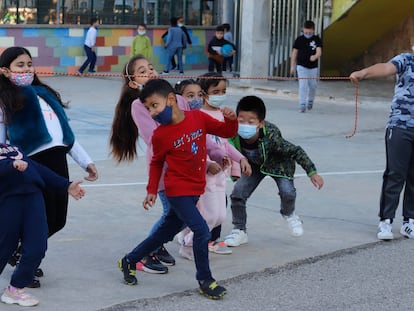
[
  {"x": 213, "y": 201},
  {"x": 32, "y": 117}
]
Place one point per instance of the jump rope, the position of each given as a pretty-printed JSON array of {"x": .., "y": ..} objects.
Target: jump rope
[{"x": 183, "y": 77}]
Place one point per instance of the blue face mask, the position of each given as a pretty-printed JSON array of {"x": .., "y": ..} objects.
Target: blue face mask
[
  {"x": 196, "y": 103},
  {"x": 165, "y": 116},
  {"x": 216, "y": 100},
  {"x": 308, "y": 36},
  {"x": 247, "y": 131}
]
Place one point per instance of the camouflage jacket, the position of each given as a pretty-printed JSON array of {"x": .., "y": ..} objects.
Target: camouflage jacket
[{"x": 278, "y": 157}]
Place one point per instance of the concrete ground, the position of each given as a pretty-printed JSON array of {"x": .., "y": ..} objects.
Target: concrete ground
[{"x": 81, "y": 264}]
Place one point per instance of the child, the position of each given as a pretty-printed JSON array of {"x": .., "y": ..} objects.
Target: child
[
  {"x": 215, "y": 59},
  {"x": 229, "y": 37},
  {"x": 132, "y": 119},
  {"x": 33, "y": 117},
  {"x": 142, "y": 43},
  {"x": 399, "y": 138},
  {"x": 180, "y": 141},
  {"x": 176, "y": 43},
  {"x": 213, "y": 201},
  {"x": 23, "y": 217},
  {"x": 89, "y": 46},
  {"x": 269, "y": 155}
]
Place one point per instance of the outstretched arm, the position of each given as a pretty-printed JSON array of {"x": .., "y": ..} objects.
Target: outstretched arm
[{"x": 375, "y": 71}]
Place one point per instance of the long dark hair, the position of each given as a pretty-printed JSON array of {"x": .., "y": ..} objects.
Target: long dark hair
[
  {"x": 10, "y": 94},
  {"x": 124, "y": 132}
]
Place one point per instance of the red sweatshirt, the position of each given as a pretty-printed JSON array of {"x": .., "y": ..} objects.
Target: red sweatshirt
[{"x": 183, "y": 147}]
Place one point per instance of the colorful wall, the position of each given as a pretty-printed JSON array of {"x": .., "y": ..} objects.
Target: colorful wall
[{"x": 60, "y": 50}]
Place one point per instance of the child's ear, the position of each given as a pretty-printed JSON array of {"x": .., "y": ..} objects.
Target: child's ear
[
  {"x": 171, "y": 99},
  {"x": 262, "y": 123},
  {"x": 132, "y": 85}
]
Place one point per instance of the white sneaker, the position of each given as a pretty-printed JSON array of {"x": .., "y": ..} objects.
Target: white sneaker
[
  {"x": 407, "y": 229},
  {"x": 294, "y": 224},
  {"x": 18, "y": 296},
  {"x": 236, "y": 237},
  {"x": 385, "y": 230}
]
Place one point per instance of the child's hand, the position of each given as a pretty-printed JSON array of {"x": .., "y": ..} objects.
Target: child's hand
[
  {"x": 75, "y": 190},
  {"x": 213, "y": 168},
  {"x": 229, "y": 113},
  {"x": 317, "y": 181},
  {"x": 93, "y": 172},
  {"x": 149, "y": 201},
  {"x": 20, "y": 165},
  {"x": 225, "y": 163},
  {"x": 245, "y": 167}
]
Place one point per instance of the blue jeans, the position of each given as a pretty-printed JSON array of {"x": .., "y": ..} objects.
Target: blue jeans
[
  {"x": 307, "y": 85},
  {"x": 175, "y": 51},
  {"x": 183, "y": 211},
  {"x": 245, "y": 186},
  {"x": 90, "y": 59}
]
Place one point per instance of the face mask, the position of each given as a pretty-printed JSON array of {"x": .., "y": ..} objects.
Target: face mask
[
  {"x": 216, "y": 100},
  {"x": 196, "y": 103},
  {"x": 22, "y": 79},
  {"x": 180, "y": 24},
  {"x": 247, "y": 131},
  {"x": 141, "y": 33},
  {"x": 165, "y": 116},
  {"x": 308, "y": 36}
]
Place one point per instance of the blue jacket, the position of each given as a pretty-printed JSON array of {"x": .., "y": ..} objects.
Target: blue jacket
[
  {"x": 35, "y": 178},
  {"x": 176, "y": 38},
  {"x": 27, "y": 128}
]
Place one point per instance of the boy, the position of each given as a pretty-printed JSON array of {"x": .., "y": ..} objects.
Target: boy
[
  {"x": 399, "y": 142},
  {"x": 229, "y": 37},
  {"x": 89, "y": 46},
  {"x": 180, "y": 141},
  {"x": 269, "y": 155},
  {"x": 142, "y": 43},
  {"x": 23, "y": 217},
  {"x": 307, "y": 49},
  {"x": 215, "y": 59}
]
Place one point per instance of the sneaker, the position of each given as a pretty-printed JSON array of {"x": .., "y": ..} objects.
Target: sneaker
[
  {"x": 294, "y": 224},
  {"x": 236, "y": 237},
  {"x": 186, "y": 252},
  {"x": 310, "y": 105},
  {"x": 165, "y": 73},
  {"x": 35, "y": 284},
  {"x": 151, "y": 264},
  {"x": 39, "y": 273},
  {"x": 92, "y": 71},
  {"x": 80, "y": 73},
  {"x": 302, "y": 110},
  {"x": 211, "y": 289},
  {"x": 219, "y": 248},
  {"x": 407, "y": 229},
  {"x": 181, "y": 72},
  {"x": 385, "y": 230},
  {"x": 15, "y": 258},
  {"x": 18, "y": 296},
  {"x": 128, "y": 270},
  {"x": 164, "y": 256}
]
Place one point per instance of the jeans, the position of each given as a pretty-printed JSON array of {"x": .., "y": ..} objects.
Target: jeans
[
  {"x": 399, "y": 145},
  {"x": 183, "y": 211},
  {"x": 307, "y": 85},
  {"x": 90, "y": 59},
  {"x": 175, "y": 51},
  {"x": 245, "y": 186}
]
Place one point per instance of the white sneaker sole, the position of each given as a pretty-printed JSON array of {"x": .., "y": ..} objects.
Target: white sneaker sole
[{"x": 11, "y": 301}]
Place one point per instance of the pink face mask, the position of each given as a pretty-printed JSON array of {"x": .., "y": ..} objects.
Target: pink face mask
[{"x": 22, "y": 78}]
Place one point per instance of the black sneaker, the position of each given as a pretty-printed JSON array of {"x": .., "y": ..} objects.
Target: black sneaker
[
  {"x": 128, "y": 270},
  {"x": 164, "y": 256},
  {"x": 35, "y": 284},
  {"x": 15, "y": 258},
  {"x": 151, "y": 264},
  {"x": 38, "y": 273},
  {"x": 211, "y": 289}
]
